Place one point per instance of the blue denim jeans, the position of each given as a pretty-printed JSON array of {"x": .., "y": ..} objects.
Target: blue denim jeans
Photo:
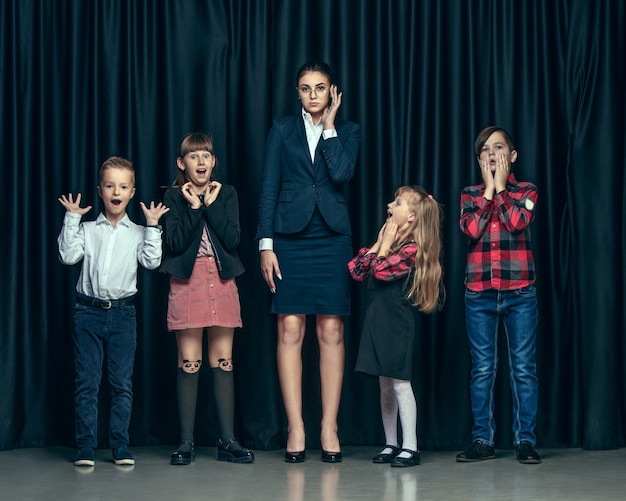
[
  {"x": 518, "y": 310},
  {"x": 103, "y": 333}
]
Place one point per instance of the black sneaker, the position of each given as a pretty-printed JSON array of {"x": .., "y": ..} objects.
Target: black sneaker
[
  {"x": 84, "y": 457},
  {"x": 478, "y": 451},
  {"x": 526, "y": 453},
  {"x": 122, "y": 456}
]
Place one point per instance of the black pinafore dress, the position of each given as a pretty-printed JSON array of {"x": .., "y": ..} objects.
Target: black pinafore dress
[{"x": 388, "y": 333}]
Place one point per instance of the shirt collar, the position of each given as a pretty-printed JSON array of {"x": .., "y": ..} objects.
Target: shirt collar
[
  {"x": 306, "y": 116},
  {"x": 101, "y": 219}
]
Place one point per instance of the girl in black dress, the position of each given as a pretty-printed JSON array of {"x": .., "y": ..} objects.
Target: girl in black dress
[{"x": 404, "y": 271}]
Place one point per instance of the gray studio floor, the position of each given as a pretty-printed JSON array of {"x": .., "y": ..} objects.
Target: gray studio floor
[{"x": 566, "y": 474}]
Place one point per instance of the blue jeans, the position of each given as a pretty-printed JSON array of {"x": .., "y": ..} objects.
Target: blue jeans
[
  {"x": 518, "y": 310},
  {"x": 99, "y": 333}
]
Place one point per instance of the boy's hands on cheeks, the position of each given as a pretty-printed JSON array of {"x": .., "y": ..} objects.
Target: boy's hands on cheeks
[
  {"x": 485, "y": 169},
  {"x": 154, "y": 212},
  {"x": 73, "y": 206},
  {"x": 503, "y": 168},
  {"x": 495, "y": 180}
]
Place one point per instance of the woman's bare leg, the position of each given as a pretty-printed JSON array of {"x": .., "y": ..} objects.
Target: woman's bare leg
[
  {"x": 332, "y": 360},
  {"x": 291, "y": 330}
]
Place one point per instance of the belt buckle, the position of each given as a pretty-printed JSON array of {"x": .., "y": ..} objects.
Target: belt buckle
[{"x": 106, "y": 305}]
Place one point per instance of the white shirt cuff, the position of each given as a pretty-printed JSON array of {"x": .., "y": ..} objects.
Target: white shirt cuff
[
  {"x": 328, "y": 133},
  {"x": 266, "y": 244}
]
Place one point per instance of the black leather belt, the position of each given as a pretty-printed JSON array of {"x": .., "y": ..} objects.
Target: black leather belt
[{"x": 104, "y": 303}]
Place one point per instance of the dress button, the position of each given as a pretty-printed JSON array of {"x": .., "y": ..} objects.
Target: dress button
[
  {"x": 214, "y": 312},
  {"x": 314, "y": 185}
]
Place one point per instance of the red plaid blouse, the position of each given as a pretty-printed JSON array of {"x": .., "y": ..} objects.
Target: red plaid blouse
[
  {"x": 499, "y": 255},
  {"x": 387, "y": 269}
]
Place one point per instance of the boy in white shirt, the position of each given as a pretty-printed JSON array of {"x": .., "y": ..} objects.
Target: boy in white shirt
[{"x": 105, "y": 323}]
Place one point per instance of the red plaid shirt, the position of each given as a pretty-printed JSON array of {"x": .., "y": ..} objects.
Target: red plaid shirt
[
  {"x": 387, "y": 269},
  {"x": 499, "y": 255}
]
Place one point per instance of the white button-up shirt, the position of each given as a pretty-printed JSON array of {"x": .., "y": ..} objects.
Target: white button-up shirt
[{"x": 109, "y": 254}]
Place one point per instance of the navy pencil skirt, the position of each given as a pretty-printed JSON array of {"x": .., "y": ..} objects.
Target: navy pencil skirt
[{"x": 314, "y": 267}]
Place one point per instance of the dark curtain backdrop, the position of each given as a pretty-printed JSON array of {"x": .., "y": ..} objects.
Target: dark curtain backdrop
[{"x": 81, "y": 81}]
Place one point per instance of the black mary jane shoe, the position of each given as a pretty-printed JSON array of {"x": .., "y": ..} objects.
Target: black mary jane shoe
[
  {"x": 384, "y": 458},
  {"x": 232, "y": 452},
  {"x": 331, "y": 457},
  {"x": 185, "y": 456},
  {"x": 295, "y": 457},
  {"x": 412, "y": 460}
]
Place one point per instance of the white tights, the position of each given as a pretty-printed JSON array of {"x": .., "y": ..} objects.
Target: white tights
[{"x": 396, "y": 396}]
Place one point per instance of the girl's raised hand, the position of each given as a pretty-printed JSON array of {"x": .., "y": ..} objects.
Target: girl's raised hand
[
  {"x": 190, "y": 195},
  {"x": 154, "y": 212},
  {"x": 212, "y": 190},
  {"x": 73, "y": 206},
  {"x": 381, "y": 232},
  {"x": 390, "y": 233}
]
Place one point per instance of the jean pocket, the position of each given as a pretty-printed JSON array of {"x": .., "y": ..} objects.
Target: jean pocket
[
  {"x": 527, "y": 291},
  {"x": 471, "y": 293}
]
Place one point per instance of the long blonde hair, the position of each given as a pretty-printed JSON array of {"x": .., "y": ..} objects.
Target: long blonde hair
[{"x": 425, "y": 286}]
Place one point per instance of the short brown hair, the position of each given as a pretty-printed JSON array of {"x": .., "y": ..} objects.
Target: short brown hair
[
  {"x": 117, "y": 163},
  {"x": 484, "y": 134}
]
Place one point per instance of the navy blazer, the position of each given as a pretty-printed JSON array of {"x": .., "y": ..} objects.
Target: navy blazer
[
  {"x": 293, "y": 185},
  {"x": 183, "y": 232}
]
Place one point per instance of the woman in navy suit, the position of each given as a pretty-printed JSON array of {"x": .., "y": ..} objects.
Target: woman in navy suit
[{"x": 305, "y": 244}]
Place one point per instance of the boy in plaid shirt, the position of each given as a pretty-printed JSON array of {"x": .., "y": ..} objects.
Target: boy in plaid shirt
[{"x": 499, "y": 280}]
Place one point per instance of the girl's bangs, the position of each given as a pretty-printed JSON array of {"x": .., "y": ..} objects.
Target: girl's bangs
[{"x": 196, "y": 142}]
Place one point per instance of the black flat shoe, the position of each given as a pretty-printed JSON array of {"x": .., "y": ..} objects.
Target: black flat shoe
[
  {"x": 386, "y": 458},
  {"x": 185, "y": 456},
  {"x": 331, "y": 457},
  {"x": 412, "y": 460},
  {"x": 232, "y": 452},
  {"x": 295, "y": 457}
]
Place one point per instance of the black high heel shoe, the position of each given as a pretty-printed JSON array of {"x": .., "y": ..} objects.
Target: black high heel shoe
[
  {"x": 232, "y": 452},
  {"x": 331, "y": 457},
  {"x": 295, "y": 457},
  {"x": 185, "y": 456}
]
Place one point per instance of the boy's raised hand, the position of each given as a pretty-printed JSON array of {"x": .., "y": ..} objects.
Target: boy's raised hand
[
  {"x": 73, "y": 206},
  {"x": 154, "y": 212}
]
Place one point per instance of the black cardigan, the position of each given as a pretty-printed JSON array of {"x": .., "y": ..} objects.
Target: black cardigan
[{"x": 183, "y": 233}]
